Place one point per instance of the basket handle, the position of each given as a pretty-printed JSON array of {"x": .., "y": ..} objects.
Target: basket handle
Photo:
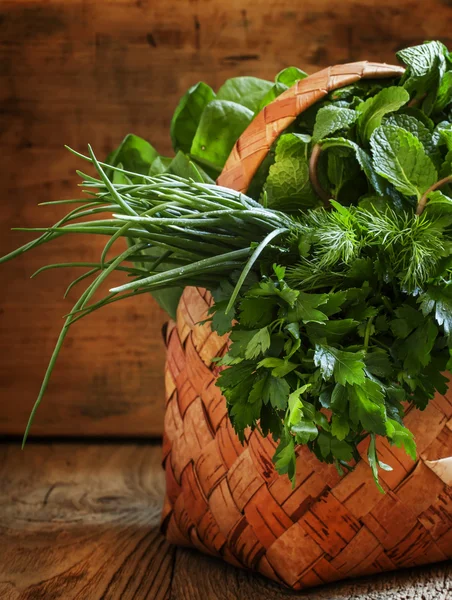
[{"x": 255, "y": 142}]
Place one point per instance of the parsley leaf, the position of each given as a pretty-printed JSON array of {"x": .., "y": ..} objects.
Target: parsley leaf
[
  {"x": 367, "y": 406},
  {"x": 305, "y": 308},
  {"x": 347, "y": 367},
  {"x": 438, "y": 300},
  {"x": 258, "y": 344}
]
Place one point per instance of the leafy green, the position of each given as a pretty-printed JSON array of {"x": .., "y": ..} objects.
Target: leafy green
[
  {"x": 290, "y": 75},
  {"x": 444, "y": 97},
  {"x": 187, "y": 115},
  {"x": 258, "y": 344},
  {"x": 400, "y": 157},
  {"x": 221, "y": 124},
  {"x": 426, "y": 65},
  {"x": 246, "y": 91},
  {"x": 288, "y": 184},
  {"x": 372, "y": 111},
  {"x": 438, "y": 300},
  {"x": 332, "y": 277},
  {"x": 276, "y": 90},
  {"x": 331, "y": 119},
  {"x": 134, "y": 154},
  {"x": 345, "y": 367}
]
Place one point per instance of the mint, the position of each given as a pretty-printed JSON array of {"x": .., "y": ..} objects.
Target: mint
[
  {"x": 400, "y": 157},
  {"x": 372, "y": 111},
  {"x": 331, "y": 119},
  {"x": 288, "y": 184},
  {"x": 426, "y": 65}
]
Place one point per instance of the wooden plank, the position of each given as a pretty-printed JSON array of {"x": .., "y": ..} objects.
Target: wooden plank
[
  {"x": 81, "y": 522},
  {"x": 79, "y": 71}
]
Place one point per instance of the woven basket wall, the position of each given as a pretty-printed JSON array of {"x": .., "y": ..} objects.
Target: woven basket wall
[{"x": 227, "y": 500}]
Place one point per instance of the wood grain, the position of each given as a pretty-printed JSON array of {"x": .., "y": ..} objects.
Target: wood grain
[
  {"x": 80, "y": 522},
  {"x": 79, "y": 71}
]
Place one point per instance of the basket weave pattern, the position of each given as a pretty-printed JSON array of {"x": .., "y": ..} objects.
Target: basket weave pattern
[
  {"x": 255, "y": 142},
  {"x": 226, "y": 499}
]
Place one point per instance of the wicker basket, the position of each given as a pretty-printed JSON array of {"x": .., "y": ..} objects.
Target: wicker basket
[{"x": 227, "y": 500}]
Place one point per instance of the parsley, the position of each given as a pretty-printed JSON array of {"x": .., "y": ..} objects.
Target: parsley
[{"x": 333, "y": 277}]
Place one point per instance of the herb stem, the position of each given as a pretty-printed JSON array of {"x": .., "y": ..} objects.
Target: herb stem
[
  {"x": 367, "y": 333},
  {"x": 423, "y": 201},
  {"x": 313, "y": 175}
]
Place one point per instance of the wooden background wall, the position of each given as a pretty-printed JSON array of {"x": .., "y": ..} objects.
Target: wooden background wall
[{"x": 79, "y": 71}]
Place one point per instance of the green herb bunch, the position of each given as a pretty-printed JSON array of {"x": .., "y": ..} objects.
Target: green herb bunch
[{"x": 332, "y": 276}]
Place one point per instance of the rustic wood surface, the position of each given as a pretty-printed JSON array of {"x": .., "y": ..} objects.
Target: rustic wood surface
[
  {"x": 79, "y": 71},
  {"x": 81, "y": 522}
]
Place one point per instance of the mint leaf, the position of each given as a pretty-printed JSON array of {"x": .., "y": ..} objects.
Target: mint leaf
[
  {"x": 399, "y": 157},
  {"x": 443, "y": 135},
  {"x": 426, "y": 66},
  {"x": 347, "y": 367},
  {"x": 364, "y": 160},
  {"x": 332, "y": 118},
  {"x": 444, "y": 97},
  {"x": 372, "y": 111},
  {"x": 288, "y": 186},
  {"x": 187, "y": 115},
  {"x": 417, "y": 128},
  {"x": 438, "y": 300},
  {"x": 438, "y": 204}
]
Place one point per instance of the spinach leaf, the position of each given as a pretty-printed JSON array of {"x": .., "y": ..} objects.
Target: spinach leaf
[
  {"x": 187, "y": 115},
  {"x": 221, "y": 124}
]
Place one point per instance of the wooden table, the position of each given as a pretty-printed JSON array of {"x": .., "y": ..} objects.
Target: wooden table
[{"x": 80, "y": 521}]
